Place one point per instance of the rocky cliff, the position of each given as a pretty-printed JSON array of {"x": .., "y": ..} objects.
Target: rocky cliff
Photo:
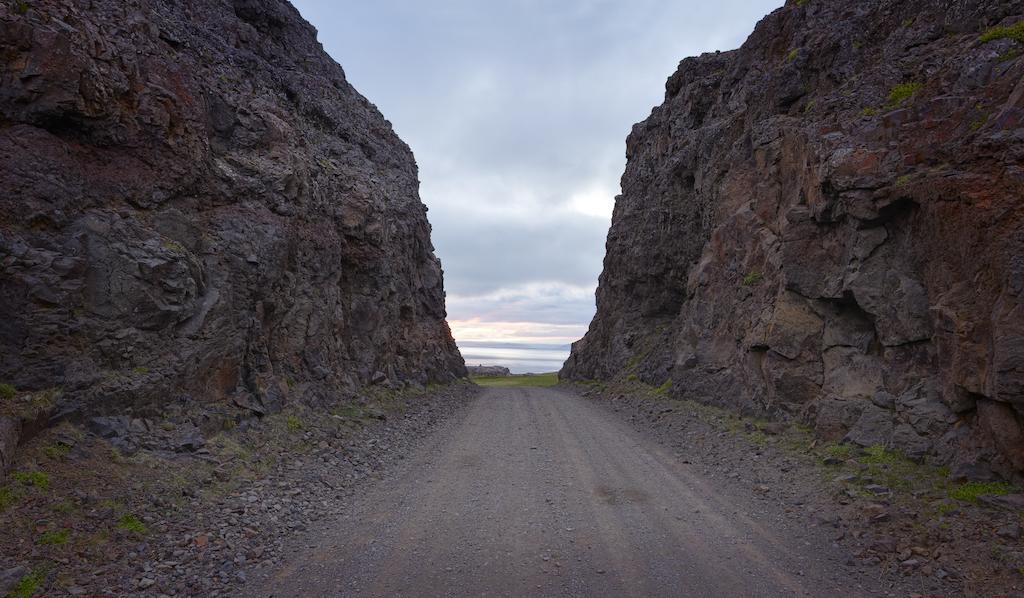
[
  {"x": 196, "y": 208},
  {"x": 827, "y": 225}
]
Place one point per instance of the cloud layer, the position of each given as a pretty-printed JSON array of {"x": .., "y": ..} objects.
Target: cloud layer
[{"x": 517, "y": 112}]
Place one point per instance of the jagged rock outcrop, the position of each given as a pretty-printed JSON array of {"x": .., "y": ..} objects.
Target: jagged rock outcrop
[
  {"x": 827, "y": 224},
  {"x": 198, "y": 209},
  {"x": 489, "y": 370}
]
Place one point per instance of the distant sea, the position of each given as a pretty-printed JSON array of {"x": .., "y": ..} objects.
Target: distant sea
[{"x": 521, "y": 358}]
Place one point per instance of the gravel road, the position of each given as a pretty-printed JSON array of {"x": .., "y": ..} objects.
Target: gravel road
[{"x": 538, "y": 492}]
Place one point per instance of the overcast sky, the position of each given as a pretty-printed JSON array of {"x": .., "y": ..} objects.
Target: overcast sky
[{"x": 517, "y": 112}]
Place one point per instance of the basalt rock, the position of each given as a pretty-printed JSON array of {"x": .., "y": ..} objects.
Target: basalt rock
[
  {"x": 197, "y": 208},
  {"x": 827, "y": 225},
  {"x": 489, "y": 370}
]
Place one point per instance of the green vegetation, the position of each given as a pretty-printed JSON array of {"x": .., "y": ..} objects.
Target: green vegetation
[
  {"x": 21, "y": 7},
  {"x": 801, "y": 2},
  {"x": 131, "y": 523},
  {"x": 39, "y": 479},
  {"x": 664, "y": 388},
  {"x": 632, "y": 377},
  {"x": 1014, "y": 32},
  {"x": 752, "y": 278},
  {"x": 57, "y": 451},
  {"x": 28, "y": 585},
  {"x": 65, "y": 506},
  {"x": 877, "y": 455},
  {"x": 903, "y": 180},
  {"x": 141, "y": 370},
  {"x": 294, "y": 423},
  {"x": 548, "y": 379},
  {"x": 27, "y": 406},
  {"x": 841, "y": 451},
  {"x": 8, "y": 496},
  {"x": 1010, "y": 54},
  {"x": 970, "y": 491},
  {"x": 903, "y": 92},
  {"x": 349, "y": 411},
  {"x": 792, "y": 55},
  {"x": 54, "y": 537},
  {"x": 869, "y": 111}
]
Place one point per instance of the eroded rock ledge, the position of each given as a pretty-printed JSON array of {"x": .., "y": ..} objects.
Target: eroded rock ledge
[
  {"x": 827, "y": 224},
  {"x": 197, "y": 208}
]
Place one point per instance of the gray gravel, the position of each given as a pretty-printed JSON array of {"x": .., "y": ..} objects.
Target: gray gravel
[{"x": 539, "y": 492}]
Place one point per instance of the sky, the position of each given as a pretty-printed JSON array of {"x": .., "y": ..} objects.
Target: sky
[{"x": 517, "y": 112}]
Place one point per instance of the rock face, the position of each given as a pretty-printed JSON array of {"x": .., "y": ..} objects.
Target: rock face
[
  {"x": 827, "y": 224},
  {"x": 197, "y": 208}
]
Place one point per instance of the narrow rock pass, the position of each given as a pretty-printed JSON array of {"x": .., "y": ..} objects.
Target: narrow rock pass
[{"x": 537, "y": 492}]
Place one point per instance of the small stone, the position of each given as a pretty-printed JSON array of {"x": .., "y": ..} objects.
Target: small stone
[
  {"x": 884, "y": 545},
  {"x": 1010, "y": 531},
  {"x": 146, "y": 582}
]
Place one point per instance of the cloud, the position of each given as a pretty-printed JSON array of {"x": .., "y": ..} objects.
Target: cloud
[{"x": 517, "y": 112}]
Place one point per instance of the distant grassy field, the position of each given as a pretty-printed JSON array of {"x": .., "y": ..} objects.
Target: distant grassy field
[{"x": 549, "y": 379}]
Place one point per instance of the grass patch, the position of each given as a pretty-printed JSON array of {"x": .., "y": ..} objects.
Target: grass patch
[
  {"x": 38, "y": 479},
  {"x": 53, "y": 538},
  {"x": 8, "y": 496},
  {"x": 869, "y": 111},
  {"x": 903, "y": 180},
  {"x": 65, "y": 506},
  {"x": 28, "y": 585},
  {"x": 28, "y": 406},
  {"x": 141, "y": 370},
  {"x": 970, "y": 491},
  {"x": 57, "y": 451},
  {"x": 1014, "y": 32},
  {"x": 349, "y": 412},
  {"x": 792, "y": 55},
  {"x": 752, "y": 278},
  {"x": 632, "y": 378},
  {"x": 1010, "y": 54},
  {"x": 877, "y": 455},
  {"x": 840, "y": 451},
  {"x": 294, "y": 423},
  {"x": 131, "y": 523},
  {"x": 548, "y": 379},
  {"x": 664, "y": 388},
  {"x": 903, "y": 92},
  {"x": 899, "y": 473}
]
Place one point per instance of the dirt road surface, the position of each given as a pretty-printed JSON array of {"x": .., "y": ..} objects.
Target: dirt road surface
[{"x": 537, "y": 492}]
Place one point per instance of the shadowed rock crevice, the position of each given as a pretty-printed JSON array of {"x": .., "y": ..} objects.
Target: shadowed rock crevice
[{"x": 824, "y": 225}]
